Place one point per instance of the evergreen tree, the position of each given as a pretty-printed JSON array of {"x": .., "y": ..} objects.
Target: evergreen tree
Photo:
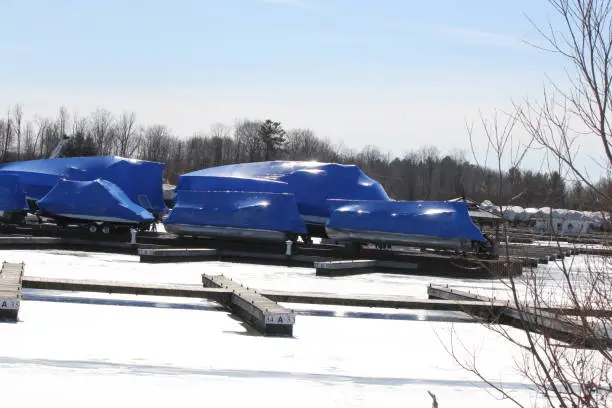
[
  {"x": 80, "y": 145},
  {"x": 272, "y": 136}
]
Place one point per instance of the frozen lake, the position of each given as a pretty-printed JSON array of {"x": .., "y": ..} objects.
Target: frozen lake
[{"x": 82, "y": 349}]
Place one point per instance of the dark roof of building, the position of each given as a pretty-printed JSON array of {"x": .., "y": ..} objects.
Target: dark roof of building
[
  {"x": 482, "y": 214},
  {"x": 475, "y": 211},
  {"x": 466, "y": 200}
]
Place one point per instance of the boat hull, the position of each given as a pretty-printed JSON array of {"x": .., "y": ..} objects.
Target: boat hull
[
  {"x": 235, "y": 214},
  {"x": 66, "y": 218},
  {"x": 226, "y": 232},
  {"x": 436, "y": 225},
  {"x": 419, "y": 241}
]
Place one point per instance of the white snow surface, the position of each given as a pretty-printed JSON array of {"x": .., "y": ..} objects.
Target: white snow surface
[{"x": 97, "y": 350}]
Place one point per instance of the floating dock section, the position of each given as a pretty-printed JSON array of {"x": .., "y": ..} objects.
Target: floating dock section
[
  {"x": 46, "y": 242},
  {"x": 11, "y": 276},
  {"x": 328, "y": 260},
  {"x": 343, "y": 268},
  {"x": 260, "y": 312},
  {"x": 556, "y": 323},
  {"x": 222, "y": 295},
  {"x": 128, "y": 288},
  {"x": 156, "y": 255},
  {"x": 422, "y": 264}
]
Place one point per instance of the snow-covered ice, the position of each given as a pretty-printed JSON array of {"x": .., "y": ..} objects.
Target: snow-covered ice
[{"x": 96, "y": 350}]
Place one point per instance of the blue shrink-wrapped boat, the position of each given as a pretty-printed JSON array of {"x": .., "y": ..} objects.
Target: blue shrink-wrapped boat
[
  {"x": 12, "y": 197},
  {"x": 235, "y": 214},
  {"x": 312, "y": 183},
  {"x": 140, "y": 180},
  {"x": 431, "y": 224},
  {"x": 13, "y": 204},
  {"x": 92, "y": 201}
]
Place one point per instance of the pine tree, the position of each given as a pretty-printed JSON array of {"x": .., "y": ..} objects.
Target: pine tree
[{"x": 273, "y": 137}]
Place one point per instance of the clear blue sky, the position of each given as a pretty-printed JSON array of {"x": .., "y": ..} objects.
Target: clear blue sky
[{"x": 395, "y": 73}]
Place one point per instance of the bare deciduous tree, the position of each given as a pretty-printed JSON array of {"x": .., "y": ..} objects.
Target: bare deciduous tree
[
  {"x": 101, "y": 128},
  {"x": 18, "y": 117},
  {"x": 581, "y": 114},
  {"x": 576, "y": 372},
  {"x": 127, "y": 138}
]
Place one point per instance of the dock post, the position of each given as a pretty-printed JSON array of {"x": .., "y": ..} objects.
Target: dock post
[
  {"x": 289, "y": 244},
  {"x": 133, "y": 232}
]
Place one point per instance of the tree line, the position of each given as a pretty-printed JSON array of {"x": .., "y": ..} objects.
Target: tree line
[{"x": 422, "y": 174}]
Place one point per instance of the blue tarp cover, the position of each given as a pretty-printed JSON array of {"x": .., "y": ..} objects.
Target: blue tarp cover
[
  {"x": 275, "y": 212},
  {"x": 312, "y": 183},
  {"x": 92, "y": 200},
  {"x": 432, "y": 218},
  {"x": 12, "y": 197},
  {"x": 140, "y": 180}
]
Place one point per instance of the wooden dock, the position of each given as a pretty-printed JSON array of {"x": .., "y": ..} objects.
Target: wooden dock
[
  {"x": 265, "y": 315},
  {"x": 345, "y": 267},
  {"x": 535, "y": 254},
  {"x": 554, "y": 322},
  {"x": 172, "y": 249},
  {"x": 260, "y": 312},
  {"x": 150, "y": 255},
  {"x": 326, "y": 264},
  {"x": 11, "y": 276},
  {"x": 327, "y": 260},
  {"x": 222, "y": 295},
  {"x": 259, "y": 309},
  {"x": 42, "y": 242},
  {"x": 425, "y": 265},
  {"x": 128, "y": 288},
  {"x": 374, "y": 301}
]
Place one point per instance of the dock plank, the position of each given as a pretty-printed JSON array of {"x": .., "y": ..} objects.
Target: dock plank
[{"x": 127, "y": 288}]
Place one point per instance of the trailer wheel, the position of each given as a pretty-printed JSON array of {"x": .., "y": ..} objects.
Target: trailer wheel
[
  {"x": 106, "y": 229},
  {"x": 93, "y": 228}
]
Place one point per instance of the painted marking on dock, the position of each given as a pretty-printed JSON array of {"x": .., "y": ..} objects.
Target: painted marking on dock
[{"x": 11, "y": 275}]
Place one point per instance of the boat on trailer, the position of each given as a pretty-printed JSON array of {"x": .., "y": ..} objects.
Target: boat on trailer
[
  {"x": 98, "y": 204},
  {"x": 13, "y": 203},
  {"x": 140, "y": 180}
]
